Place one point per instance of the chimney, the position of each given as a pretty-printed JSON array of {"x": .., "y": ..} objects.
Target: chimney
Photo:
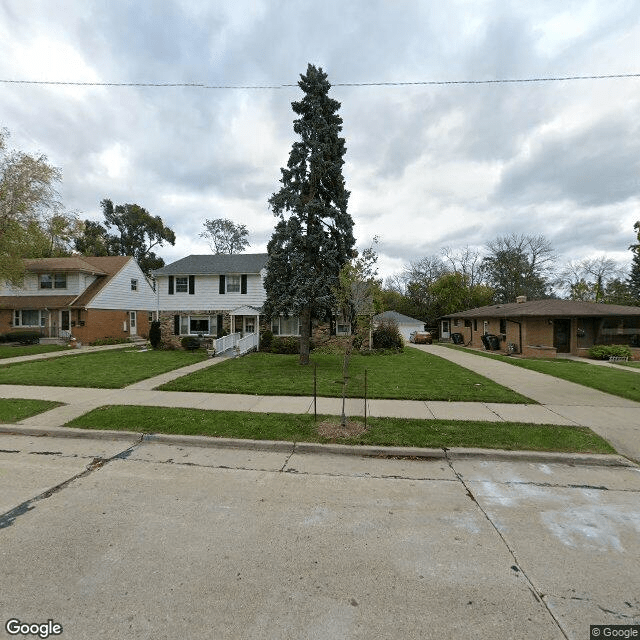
[{"x": 521, "y": 299}]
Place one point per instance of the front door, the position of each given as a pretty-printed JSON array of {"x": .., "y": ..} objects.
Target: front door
[
  {"x": 562, "y": 335},
  {"x": 65, "y": 323},
  {"x": 445, "y": 330},
  {"x": 249, "y": 324},
  {"x": 132, "y": 323}
]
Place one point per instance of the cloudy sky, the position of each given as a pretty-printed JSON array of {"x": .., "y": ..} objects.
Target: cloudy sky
[{"x": 428, "y": 166}]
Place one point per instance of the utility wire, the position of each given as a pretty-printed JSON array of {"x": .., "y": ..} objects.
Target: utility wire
[{"x": 198, "y": 85}]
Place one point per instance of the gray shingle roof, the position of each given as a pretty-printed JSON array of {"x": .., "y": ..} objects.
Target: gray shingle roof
[
  {"x": 550, "y": 307},
  {"x": 398, "y": 317},
  {"x": 215, "y": 264}
]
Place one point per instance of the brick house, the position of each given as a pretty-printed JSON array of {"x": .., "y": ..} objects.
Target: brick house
[
  {"x": 544, "y": 328},
  {"x": 86, "y": 297}
]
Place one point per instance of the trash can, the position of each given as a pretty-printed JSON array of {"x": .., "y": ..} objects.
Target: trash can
[
  {"x": 485, "y": 342},
  {"x": 457, "y": 338},
  {"x": 494, "y": 341}
]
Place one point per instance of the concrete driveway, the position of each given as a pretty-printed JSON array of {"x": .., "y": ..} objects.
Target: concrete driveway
[{"x": 117, "y": 539}]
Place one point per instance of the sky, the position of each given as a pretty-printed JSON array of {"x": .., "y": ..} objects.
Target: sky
[{"x": 428, "y": 166}]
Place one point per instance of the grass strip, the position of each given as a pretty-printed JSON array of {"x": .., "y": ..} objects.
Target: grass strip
[
  {"x": 103, "y": 369},
  {"x": 16, "y": 409},
  {"x": 617, "y": 382},
  {"x": 29, "y": 350},
  {"x": 411, "y": 375},
  {"x": 382, "y": 431}
]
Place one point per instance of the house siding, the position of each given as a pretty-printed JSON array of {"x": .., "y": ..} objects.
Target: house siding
[
  {"x": 31, "y": 285},
  {"x": 118, "y": 294},
  {"x": 207, "y": 296}
]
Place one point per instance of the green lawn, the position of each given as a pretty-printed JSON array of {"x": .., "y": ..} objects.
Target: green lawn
[
  {"x": 617, "y": 382},
  {"x": 13, "y": 410},
  {"x": 104, "y": 369},
  {"x": 382, "y": 431},
  {"x": 7, "y": 351},
  {"x": 412, "y": 375}
]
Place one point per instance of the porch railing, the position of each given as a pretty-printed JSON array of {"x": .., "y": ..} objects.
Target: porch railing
[{"x": 235, "y": 340}]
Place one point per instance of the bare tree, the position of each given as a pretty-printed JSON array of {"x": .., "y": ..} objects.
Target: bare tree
[
  {"x": 225, "y": 236},
  {"x": 466, "y": 261}
]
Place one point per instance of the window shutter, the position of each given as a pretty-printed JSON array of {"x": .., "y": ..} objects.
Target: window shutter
[
  {"x": 176, "y": 325},
  {"x": 171, "y": 287},
  {"x": 192, "y": 284},
  {"x": 222, "y": 284},
  {"x": 219, "y": 325},
  {"x": 243, "y": 283}
]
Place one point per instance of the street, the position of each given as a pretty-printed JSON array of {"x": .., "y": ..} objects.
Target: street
[{"x": 121, "y": 539}]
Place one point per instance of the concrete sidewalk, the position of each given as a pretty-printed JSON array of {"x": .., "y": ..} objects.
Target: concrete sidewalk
[{"x": 615, "y": 419}]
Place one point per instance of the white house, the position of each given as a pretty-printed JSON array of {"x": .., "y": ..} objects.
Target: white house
[
  {"x": 214, "y": 294},
  {"x": 87, "y": 297}
]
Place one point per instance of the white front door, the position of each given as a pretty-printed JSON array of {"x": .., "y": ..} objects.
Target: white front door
[
  {"x": 133, "y": 329},
  {"x": 249, "y": 324},
  {"x": 445, "y": 329}
]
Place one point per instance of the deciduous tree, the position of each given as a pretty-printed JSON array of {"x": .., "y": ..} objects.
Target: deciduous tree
[{"x": 225, "y": 236}]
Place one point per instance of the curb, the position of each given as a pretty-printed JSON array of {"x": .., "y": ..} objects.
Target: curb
[{"x": 457, "y": 453}]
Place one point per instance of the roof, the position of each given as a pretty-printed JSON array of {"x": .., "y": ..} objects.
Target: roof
[
  {"x": 398, "y": 317},
  {"x": 549, "y": 307},
  {"x": 35, "y": 302},
  {"x": 215, "y": 264},
  {"x": 105, "y": 267}
]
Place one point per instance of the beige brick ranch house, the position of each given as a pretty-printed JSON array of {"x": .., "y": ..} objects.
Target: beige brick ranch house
[{"x": 544, "y": 328}]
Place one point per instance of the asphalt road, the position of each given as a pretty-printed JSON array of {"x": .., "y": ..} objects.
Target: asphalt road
[{"x": 114, "y": 539}]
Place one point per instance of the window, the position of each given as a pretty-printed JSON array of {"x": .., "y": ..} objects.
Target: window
[
  {"x": 455, "y": 322},
  {"x": 182, "y": 285},
  {"x": 475, "y": 324},
  {"x": 191, "y": 325},
  {"x": 467, "y": 323},
  {"x": 27, "y": 318},
  {"x": 134, "y": 284},
  {"x": 285, "y": 326},
  {"x": 53, "y": 281},
  {"x": 233, "y": 284},
  {"x": 503, "y": 325}
]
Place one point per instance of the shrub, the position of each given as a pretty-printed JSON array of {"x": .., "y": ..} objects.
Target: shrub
[
  {"x": 387, "y": 336},
  {"x": 23, "y": 337},
  {"x": 286, "y": 345},
  {"x": 266, "y": 340},
  {"x": 602, "y": 352},
  {"x": 103, "y": 341},
  {"x": 155, "y": 335},
  {"x": 190, "y": 343}
]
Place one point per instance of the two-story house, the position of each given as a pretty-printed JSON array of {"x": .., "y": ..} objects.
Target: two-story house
[
  {"x": 87, "y": 297},
  {"x": 213, "y": 295}
]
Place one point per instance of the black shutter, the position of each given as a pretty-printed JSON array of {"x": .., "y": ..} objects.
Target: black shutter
[
  {"x": 219, "y": 325},
  {"x": 222, "y": 287},
  {"x": 176, "y": 325},
  {"x": 171, "y": 286},
  {"x": 192, "y": 284},
  {"x": 243, "y": 283}
]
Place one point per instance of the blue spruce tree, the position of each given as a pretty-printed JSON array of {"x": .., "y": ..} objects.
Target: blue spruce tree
[{"x": 313, "y": 237}]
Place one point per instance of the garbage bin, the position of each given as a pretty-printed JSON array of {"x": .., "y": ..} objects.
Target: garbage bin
[
  {"x": 485, "y": 341},
  {"x": 457, "y": 338},
  {"x": 494, "y": 342}
]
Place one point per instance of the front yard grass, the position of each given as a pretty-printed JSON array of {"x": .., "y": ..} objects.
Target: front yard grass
[
  {"x": 103, "y": 369},
  {"x": 617, "y": 382},
  {"x": 7, "y": 351},
  {"x": 382, "y": 431},
  {"x": 411, "y": 375},
  {"x": 15, "y": 409}
]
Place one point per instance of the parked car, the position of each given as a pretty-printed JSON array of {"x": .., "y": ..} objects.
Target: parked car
[{"x": 420, "y": 337}]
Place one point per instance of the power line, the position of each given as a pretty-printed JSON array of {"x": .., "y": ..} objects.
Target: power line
[{"x": 199, "y": 85}]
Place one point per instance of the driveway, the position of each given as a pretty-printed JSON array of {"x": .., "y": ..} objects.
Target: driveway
[
  {"x": 615, "y": 419},
  {"x": 132, "y": 540}
]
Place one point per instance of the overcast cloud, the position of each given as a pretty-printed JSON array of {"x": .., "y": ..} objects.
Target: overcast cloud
[{"x": 427, "y": 166}]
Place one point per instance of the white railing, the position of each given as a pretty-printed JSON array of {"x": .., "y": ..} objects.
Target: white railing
[
  {"x": 235, "y": 341},
  {"x": 247, "y": 343},
  {"x": 226, "y": 342}
]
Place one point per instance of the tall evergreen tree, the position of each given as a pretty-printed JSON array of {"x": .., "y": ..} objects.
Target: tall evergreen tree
[
  {"x": 313, "y": 238},
  {"x": 633, "y": 282}
]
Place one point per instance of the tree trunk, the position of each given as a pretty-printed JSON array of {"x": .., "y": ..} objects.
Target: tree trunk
[{"x": 305, "y": 334}]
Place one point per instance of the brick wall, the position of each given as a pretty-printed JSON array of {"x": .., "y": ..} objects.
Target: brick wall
[{"x": 167, "y": 329}]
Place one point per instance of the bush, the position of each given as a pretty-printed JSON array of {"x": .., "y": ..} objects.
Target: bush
[
  {"x": 155, "y": 335},
  {"x": 104, "y": 341},
  {"x": 286, "y": 345},
  {"x": 190, "y": 343},
  {"x": 23, "y": 337},
  {"x": 387, "y": 336},
  {"x": 266, "y": 340},
  {"x": 602, "y": 352}
]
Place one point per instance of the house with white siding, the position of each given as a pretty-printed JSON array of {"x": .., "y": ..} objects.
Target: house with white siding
[
  {"x": 214, "y": 295},
  {"x": 86, "y": 297}
]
